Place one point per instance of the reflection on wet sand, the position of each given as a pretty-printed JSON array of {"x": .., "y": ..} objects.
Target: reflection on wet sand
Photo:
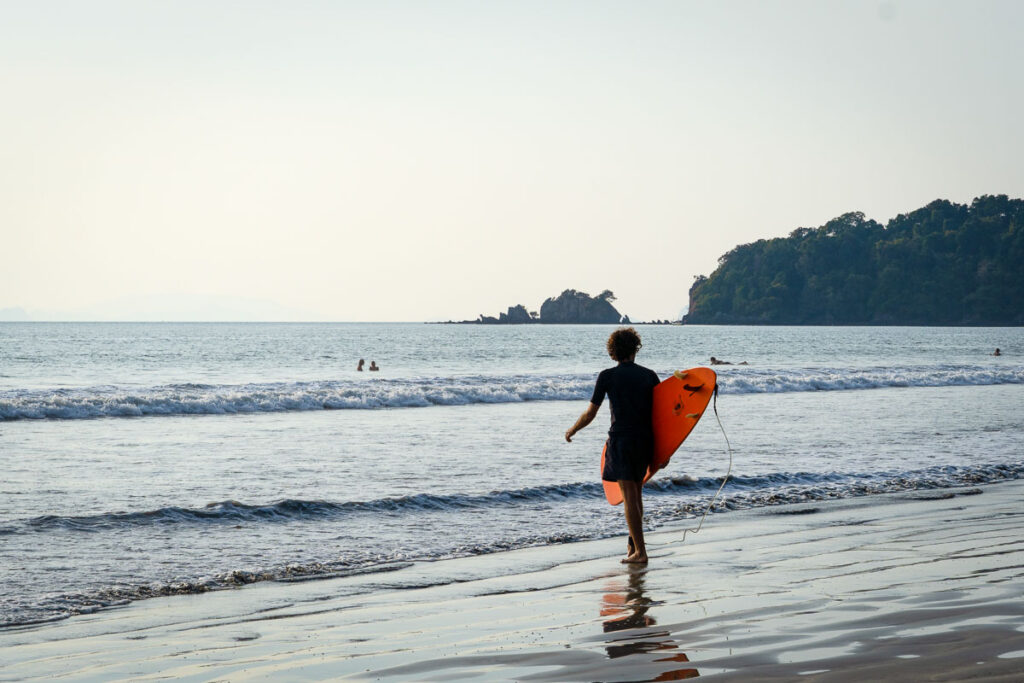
[{"x": 628, "y": 605}]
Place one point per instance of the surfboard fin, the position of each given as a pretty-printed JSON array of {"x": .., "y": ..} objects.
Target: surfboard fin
[
  {"x": 679, "y": 374},
  {"x": 693, "y": 416}
]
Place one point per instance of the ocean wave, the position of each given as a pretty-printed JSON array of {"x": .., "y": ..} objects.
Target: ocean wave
[
  {"x": 233, "y": 512},
  {"x": 743, "y": 491},
  {"x": 671, "y": 499},
  {"x": 222, "y": 399},
  {"x": 828, "y": 379},
  {"x": 204, "y": 399}
]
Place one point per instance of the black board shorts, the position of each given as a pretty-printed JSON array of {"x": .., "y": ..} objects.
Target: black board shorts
[{"x": 627, "y": 457}]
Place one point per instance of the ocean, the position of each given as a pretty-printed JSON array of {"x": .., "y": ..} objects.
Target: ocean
[{"x": 146, "y": 459}]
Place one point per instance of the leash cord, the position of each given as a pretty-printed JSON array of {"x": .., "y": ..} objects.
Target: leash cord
[{"x": 724, "y": 479}]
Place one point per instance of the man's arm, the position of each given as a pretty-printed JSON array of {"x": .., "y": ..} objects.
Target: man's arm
[{"x": 586, "y": 418}]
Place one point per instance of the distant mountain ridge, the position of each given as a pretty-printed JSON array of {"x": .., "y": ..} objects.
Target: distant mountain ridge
[
  {"x": 943, "y": 264},
  {"x": 14, "y": 314}
]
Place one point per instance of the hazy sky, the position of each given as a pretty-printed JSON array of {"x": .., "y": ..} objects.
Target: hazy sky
[{"x": 433, "y": 160}]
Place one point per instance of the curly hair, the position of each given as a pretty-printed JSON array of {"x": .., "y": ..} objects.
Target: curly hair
[{"x": 623, "y": 343}]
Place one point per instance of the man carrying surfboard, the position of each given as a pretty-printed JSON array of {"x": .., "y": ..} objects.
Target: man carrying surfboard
[{"x": 630, "y": 446}]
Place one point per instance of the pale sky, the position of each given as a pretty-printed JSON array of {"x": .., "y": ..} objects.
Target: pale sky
[{"x": 433, "y": 160}]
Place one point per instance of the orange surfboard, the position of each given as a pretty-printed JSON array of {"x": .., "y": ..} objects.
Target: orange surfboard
[{"x": 679, "y": 402}]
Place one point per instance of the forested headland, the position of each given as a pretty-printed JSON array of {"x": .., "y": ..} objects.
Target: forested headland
[{"x": 943, "y": 264}]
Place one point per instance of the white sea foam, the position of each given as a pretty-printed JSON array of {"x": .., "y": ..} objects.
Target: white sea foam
[
  {"x": 195, "y": 399},
  {"x": 825, "y": 379}
]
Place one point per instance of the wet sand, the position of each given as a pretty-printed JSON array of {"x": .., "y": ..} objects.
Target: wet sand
[{"x": 921, "y": 586}]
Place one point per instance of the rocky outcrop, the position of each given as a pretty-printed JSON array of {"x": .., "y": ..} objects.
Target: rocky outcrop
[
  {"x": 517, "y": 315},
  {"x": 579, "y": 307},
  {"x": 568, "y": 307}
]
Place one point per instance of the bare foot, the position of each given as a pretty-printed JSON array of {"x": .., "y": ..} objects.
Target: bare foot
[{"x": 635, "y": 558}]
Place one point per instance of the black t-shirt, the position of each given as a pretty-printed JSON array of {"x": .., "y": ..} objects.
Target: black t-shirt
[{"x": 630, "y": 390}]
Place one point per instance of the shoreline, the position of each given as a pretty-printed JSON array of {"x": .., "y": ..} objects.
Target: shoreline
[{"x": 914, "y": 585}]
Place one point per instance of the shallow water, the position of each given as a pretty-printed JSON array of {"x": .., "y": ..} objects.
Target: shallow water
[{"x": 142, "y": 459}]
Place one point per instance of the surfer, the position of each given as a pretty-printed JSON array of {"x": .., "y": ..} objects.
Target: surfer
[
  {"x": 630, "y": 447},
  {"x": 719, "y": 361},
  {"x": 997, "y": 352},
  {"x": 360, "y": 366},
  {"x": 373, "y": 366}
]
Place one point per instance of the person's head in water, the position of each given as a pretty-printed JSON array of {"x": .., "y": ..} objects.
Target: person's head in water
[
  {"x": 623, "y": 344},
  {"x": 998, "y": 352},
  {"x": 360, "y": 366}
]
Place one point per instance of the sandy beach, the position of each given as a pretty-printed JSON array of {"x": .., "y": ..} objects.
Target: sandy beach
[{"x": 911, "y": 586}]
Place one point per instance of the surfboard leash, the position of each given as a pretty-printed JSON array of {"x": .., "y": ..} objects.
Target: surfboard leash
[{"x": 725, "y": 479}]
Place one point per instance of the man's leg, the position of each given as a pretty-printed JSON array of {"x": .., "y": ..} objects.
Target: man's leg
[
  {"x": 633, "y": 503},
  {"x": 630, "y": 546}
]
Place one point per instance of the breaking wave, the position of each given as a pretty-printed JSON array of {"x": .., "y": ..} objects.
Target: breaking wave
[
  {"x": 220, "y": 399},
  {"x": 742, "y": 492},
  {"x": 669, "y": 499}
]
